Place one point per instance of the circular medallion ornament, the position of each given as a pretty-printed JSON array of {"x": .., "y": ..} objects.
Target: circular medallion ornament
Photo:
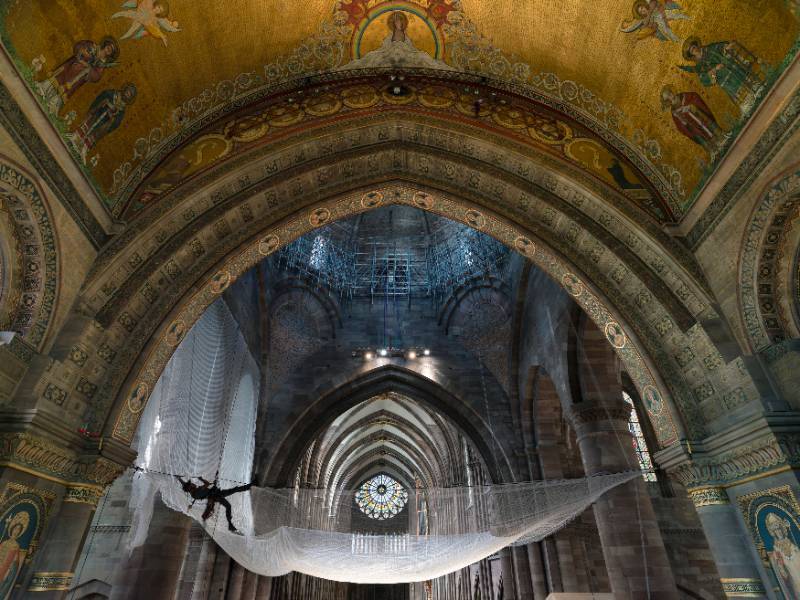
[
  {"x": 525, "y": 246},
  {"x": 284, "y": 114},
  {"x": 220, "y": 282},
  {"x": 436, "y": 96},
  {"x": 322, "y": 105},
  {"x": 138, "y": 398},
  {"x": 381, "y": 497},
  {"x": 398, "y": 94},
  {"x": 615, "y": 335},
  {"x": 652, "y": 400},
  {"x": 360, "y": 96},
  {"x": 319, "y": 216},
  {"x": 246, "y": 129},
  {"x": 268, "y": 244},
  {"x": 549, "y": 130},
  {"x": 473, "y": 105},
  {"x": 372, "y": 199},
  {"x": 176, "y": 332},
  {"x": 423, "y": 200},
  {"x": 475, "y": 219},
  {"x": 572, "y": 284}
]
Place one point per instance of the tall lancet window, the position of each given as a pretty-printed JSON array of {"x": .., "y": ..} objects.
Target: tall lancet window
[{"x": 639, "y": 443}]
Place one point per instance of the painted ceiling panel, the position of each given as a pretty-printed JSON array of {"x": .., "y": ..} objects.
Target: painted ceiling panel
[{"x": 676, "y": 79}]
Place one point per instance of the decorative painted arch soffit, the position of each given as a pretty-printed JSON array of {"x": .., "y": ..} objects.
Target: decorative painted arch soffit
[
  {"x": 634, "y": 94},
  {"x": 29, "y": 288},
  {"x": 769, "y": 268}
]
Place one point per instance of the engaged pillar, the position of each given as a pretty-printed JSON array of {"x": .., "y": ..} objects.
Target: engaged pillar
[
  {"x": 637, "y": 563},
  {"x": 54, "y": 566},
  {"x": 729, "y": 544}
]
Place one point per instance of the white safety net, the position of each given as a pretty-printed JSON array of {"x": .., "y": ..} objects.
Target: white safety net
[{"x": 200, "y": 422}]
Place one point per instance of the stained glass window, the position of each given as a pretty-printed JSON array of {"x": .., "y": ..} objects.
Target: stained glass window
[
  {"x": 639, "y": 444},
  {"x": 381, "y": 497}
]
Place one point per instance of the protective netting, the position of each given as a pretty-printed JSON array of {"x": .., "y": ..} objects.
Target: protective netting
[{"x": 200, "y": 422}]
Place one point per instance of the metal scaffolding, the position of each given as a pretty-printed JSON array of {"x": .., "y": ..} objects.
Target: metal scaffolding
[{"x": 421, "y": 266}]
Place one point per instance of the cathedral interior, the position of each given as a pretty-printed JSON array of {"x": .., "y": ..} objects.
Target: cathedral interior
[{"x": 399, "y": 299}]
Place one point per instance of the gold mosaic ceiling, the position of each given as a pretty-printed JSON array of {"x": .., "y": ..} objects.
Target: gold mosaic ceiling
[{"x": 676, "y": 80}]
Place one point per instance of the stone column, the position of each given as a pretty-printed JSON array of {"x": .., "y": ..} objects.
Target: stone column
[
  {"x": 729, "y": 544},
  {"x": 538, "y": 577},
  {"x": 249, "y": 586},
  {"x": 236, "y": 581},
  {"x": 637, "y": 562},
  {"x": 152, "y": 570},
  {"x": 507, "y": 567},
  {"x": 522, "y": 572},
  {"x": 264, "y": 588},
  {"x": 55, "y": 563},
  {"x": 205, "y": 569}
]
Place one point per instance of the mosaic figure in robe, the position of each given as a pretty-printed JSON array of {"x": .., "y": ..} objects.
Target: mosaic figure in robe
[
  {"x": 104, "y": 116},
  {"x": 11, "y": 554},
  {"x": 87, "y": 64},
  {"x": 728, "y": 65},
  {"x": 785, "y": 554},
  {"x": 693, "y": 118}
]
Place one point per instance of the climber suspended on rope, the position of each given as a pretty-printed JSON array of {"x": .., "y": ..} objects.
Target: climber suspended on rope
[{"x": 213, "y": 495}]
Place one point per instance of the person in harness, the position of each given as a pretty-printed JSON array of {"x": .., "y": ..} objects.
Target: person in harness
[{"x": 213, "y": 495}]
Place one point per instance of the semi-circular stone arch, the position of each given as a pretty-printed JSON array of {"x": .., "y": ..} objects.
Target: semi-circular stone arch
[
  {"x": 151, "y": 284},
  {"x": 218, "y": 281}
]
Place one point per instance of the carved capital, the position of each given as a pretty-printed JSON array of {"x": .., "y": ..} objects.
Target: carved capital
[
  {"x": 45, "y": 581},
  {"x": 708, "y": 496},
  {"x": 585, "y": 413},
  {"x": 757, "y": 458}
]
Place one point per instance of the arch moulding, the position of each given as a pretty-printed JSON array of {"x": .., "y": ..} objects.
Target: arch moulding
[{"x": 152, "y": 284}]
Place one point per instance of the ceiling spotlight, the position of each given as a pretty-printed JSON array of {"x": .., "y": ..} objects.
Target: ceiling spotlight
[
  {"x": 426, "y": 352},
  {"x": 368, "y": 355},
  {"x": 412, "y": 355},
  {"x": 383, "y": 352}
]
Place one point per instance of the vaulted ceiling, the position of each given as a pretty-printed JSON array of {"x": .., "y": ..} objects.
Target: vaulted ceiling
[{"x": 604, "y": 64}]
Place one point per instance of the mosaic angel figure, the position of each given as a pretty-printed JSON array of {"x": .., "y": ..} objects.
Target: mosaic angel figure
[
  {"x": 729, "y": 65},
  {"x": 104, "y": 116},
  {"x": 148, "y": 18},
  {"x": 651, "y": 18},
  {"x": 693, "y": 118},
  {"x": 356, "y": 10},
  {"x": 87, "y": 64}
]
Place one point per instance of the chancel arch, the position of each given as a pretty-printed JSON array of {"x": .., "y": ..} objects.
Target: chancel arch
[
  {"x": 438, "y": 246},
  {"x": 640, "y": 288}
]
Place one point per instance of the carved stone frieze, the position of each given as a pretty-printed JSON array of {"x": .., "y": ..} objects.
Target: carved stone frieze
[
  {"x": 708, "y": 496},
  {"x": 32, "y": 452},
  {"x": 765, "y": 454}
]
